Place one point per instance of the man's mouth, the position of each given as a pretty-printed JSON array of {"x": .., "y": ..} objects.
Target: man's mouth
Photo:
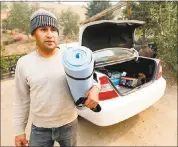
[{"x": 49, "y": 41}]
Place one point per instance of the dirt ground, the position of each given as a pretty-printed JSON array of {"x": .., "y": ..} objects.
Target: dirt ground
[{"x": 156, "y": 126}]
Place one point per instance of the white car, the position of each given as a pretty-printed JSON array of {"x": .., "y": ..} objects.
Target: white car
[{"x": 112, "y": 45}]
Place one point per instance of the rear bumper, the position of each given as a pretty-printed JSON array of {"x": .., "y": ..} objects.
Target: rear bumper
[{"x": 121, "y": 108}]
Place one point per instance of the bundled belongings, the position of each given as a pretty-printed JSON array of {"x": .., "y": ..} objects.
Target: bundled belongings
[
  {"x": 146, "y": 51},
  {"x": 130, "y": 82}
]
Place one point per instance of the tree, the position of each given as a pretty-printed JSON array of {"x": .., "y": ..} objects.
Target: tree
[
  {"x": 165, "y": 14},
  {"x": 161, "y": 24},
  {"x": 69, "y": 21},
  {"x": 4, "y": 6},
  {"x": 141, "y": 11},
  {"x": 94, "y": 7},
  {"x": 19, "y": 17}
]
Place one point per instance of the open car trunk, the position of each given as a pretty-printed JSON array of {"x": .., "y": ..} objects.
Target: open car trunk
[
  {"x": 132, "y": 69},
  {"x": 115, "y": 57}
]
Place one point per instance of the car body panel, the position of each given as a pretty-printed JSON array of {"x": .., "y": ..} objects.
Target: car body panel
[{"x": 123, "y": 107}]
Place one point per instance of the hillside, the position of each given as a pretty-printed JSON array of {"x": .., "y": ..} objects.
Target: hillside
[
  {"x": 62, "y": 7},
  {"x": 56, "y": 7}
]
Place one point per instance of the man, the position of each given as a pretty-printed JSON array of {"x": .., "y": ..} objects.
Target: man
[{"x": 41, "y": 88}]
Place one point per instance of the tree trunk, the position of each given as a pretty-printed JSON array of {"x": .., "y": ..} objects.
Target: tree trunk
[{"x": 144, "y": 38}]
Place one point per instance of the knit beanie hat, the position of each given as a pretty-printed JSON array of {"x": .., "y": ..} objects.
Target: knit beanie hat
[{"x": 42, "y": 18}]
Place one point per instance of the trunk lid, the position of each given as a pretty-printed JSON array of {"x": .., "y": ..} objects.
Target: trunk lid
[
  {"x": 110, "y": 40},
  {"x": 109, "y": 34}
]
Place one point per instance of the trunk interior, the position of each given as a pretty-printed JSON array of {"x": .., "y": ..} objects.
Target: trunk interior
[{"x": 132, "y": 68}]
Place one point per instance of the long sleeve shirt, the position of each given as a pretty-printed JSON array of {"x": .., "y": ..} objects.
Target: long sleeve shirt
[{"x": 41, "y": 88}]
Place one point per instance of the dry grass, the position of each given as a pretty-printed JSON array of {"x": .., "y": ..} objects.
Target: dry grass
[{"x": 20, "y": 47}]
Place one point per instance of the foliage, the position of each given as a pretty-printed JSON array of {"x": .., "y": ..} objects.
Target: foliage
[
  {"x": 69, "y": 21},
  {"x": 2, "y": 49},
  {"x": 4, "y": 6},
  {"x": 161, "y": 26},
  {"x": 94, "y": 7},
  {"x": 19, "y": 16},
  {"x": 141, "y": 11},
  {"x": 8, "y": 62},
  {"x": 4, "y": 24},
  {"x": 165, "y": 35},
  {"x": 5, "y": 65}
]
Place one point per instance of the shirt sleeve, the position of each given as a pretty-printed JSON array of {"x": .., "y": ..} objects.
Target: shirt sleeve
[{"x": 21, "y": 102}]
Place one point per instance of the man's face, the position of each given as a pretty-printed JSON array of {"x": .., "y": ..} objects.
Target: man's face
[{"x": 46, "y": 37}]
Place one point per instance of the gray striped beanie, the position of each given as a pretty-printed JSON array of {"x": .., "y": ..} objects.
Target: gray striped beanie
[{"x": 42, "y": 18}]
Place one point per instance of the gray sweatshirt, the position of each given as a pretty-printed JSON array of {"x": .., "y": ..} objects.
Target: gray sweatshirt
[{"x": 41, "y": 88}]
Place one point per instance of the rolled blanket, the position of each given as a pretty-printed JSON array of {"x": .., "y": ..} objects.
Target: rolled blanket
[{"x": 78, "y": 62}]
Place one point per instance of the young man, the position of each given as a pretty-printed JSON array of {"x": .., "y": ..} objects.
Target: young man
[{"x": 41, "y": 88}]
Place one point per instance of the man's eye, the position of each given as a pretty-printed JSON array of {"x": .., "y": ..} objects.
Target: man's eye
[{"x": 43, "y": 29}]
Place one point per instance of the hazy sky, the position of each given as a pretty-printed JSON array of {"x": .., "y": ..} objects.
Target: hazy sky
[
  {"x": 81, "y": 2},
  {"x": 70, "y": 2}
]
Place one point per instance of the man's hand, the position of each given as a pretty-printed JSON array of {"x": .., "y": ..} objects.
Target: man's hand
[
  {"x": 21, "y": 140},
  {"x": 92, "y": 97}
]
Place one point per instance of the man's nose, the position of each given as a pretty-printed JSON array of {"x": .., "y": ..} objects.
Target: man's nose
[{"x": 49, "y": 34}]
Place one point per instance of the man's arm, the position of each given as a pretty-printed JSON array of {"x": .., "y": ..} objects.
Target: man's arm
[
  {"x": 21, "y": 103},
  {"x": 97, "y": 85}
]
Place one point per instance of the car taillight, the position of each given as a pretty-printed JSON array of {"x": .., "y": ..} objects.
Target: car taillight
[
  {"x": 107, "y": 91},
  {"x": 160, "y": 72}
]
